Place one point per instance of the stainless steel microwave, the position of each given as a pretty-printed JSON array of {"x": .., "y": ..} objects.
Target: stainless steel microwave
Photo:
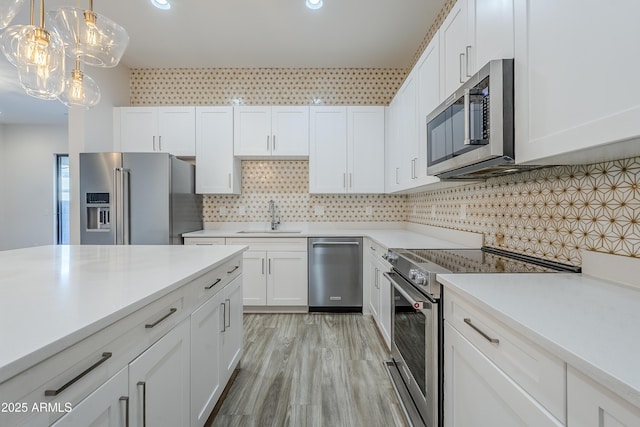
[{"x": 470, "y": 136}]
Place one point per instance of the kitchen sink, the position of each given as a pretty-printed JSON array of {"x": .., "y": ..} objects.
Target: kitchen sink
[{"x": 270, "y": 231}]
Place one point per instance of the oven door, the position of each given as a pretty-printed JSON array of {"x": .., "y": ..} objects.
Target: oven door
[{"x": 415, "y": 345}]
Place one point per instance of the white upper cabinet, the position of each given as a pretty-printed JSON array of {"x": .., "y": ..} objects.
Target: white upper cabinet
[
  {"x": 575, "y": 88},
  {"x": 217, "y": 170},
  {"x": 271, "y": 131},
  {"x": 474, "y": 32},
  {"x": 155, "y": 129},
  {"x": 454, "y": 48},
  {"x": 346, "y": 150}
]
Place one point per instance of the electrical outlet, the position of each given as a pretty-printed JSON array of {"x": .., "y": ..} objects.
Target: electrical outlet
[
  {"x": 318, "y": 210},
  {"x": 463, "y": 211},
  {"x": 223, "y": 211},
  {"x": 242, "y": 210},
  {"x": 368, "y": 211}
]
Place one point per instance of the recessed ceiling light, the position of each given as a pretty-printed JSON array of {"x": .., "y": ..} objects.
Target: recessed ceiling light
[
  {"x": 314, "y": 4},
  {"x": 161, "y": 4}
]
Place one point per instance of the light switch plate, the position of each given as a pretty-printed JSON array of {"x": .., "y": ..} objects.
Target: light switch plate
[{"x": 318, "y": 210}]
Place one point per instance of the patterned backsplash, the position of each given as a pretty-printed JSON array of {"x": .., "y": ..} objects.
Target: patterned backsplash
[
  {"x": 287, "y": 183},
  {"x": 550, "y": 213}
]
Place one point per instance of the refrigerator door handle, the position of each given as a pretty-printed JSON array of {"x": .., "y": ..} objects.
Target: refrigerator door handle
[
  {"x": 126, "y": 235},
  {"x": 116, "y": 206}
]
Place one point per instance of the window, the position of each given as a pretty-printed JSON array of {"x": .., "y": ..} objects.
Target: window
[{"x": 62, "y": 199}]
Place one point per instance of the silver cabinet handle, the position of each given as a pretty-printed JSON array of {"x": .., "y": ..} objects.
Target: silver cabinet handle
[
  {"x": 213, "y": 284},
  {"x": 460, "y": 70},
  {"x": 274, "y": 143},
  {"x": 344, "y": 180},
  {"x": 229, "y": 180},
  {"x": 263, "y": 266},
  {"x": 144, "y": 402},
  {"x": 377, "y": 279},
  {"x": 267, "y": 142},
  {"x": 350, "y": 180},
  {"x": 467, "y": 54},
  {"x": 154, "y": 324},
  {"x": 154, "y": 143},
  {"x": 372, "y": 248},
  {"x": 478, "y": 330},
  {"x": 224, "y": 317},
  {"x": 269, "y": 267},
  {"x": 228, "y": 313},
  {"x": 160, "y": 143},
  {"x": 125, "y": 399},
  {"x": 397, "y": 179},
  {"x": 104, "y": 358},
  {"x": 233, "y": 269}
]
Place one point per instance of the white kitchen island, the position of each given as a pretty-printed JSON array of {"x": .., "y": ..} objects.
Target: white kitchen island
[{"x": 78, "y": 320}]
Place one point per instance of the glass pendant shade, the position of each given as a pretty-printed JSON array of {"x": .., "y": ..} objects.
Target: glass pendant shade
[
  {"x": 80, "y": 90},
  {"x": 40, "y": 63},
  {"x": 8, "y": 10},
  {"x": 93, "y": 38},
  {"x": 9, "y": 41}
]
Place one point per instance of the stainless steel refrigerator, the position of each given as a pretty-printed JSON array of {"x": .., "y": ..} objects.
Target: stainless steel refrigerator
[{"x": 137, "y": 198}]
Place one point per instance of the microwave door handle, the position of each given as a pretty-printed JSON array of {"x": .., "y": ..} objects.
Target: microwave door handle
[{"x": 467, "y": 117}]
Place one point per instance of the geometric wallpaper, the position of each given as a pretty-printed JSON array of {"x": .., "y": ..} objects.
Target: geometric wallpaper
[
  {"x": 550, "y": 213},
  {"x": 287, "y": 183}
]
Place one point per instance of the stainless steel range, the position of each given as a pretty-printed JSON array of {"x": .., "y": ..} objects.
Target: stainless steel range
[{"x": 416, "y": 368}]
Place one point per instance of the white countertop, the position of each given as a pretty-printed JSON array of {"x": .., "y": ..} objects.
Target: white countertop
[
  {"x": 390, "y": 236},
  {"x": 54, "y": 296},
  {"x": 592, "y": 324}
]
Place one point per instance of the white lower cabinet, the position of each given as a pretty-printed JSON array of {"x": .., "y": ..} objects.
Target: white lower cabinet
[
  {"x": 386, "y": 295},
  {"x": 591, "y": 405},
  {"x": 232, "y": 336},
  {"x": 478, "y": 393},
  {"x": 107, "y": 406},
  {"x": 379, "y": 289},
  {"x": 206, "y": 358},
  {"x": 159, "y": 381}
]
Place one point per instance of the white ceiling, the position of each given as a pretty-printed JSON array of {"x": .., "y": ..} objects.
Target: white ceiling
[{"x": 244, "y": 33}]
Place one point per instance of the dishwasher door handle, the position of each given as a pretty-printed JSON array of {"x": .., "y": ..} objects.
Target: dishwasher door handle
[{"x": 335, "y": 243}]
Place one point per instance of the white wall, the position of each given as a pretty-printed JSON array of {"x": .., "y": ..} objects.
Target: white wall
[
  {"x": 93, "y": 131},
  {"x": 27, "y": 162}
]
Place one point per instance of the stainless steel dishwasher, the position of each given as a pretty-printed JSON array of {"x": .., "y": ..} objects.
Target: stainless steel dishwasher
[{"x": 335, "y": 274}]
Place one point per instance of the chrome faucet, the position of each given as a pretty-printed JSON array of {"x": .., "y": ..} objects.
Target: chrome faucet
[{"x": 272, "y": 210}]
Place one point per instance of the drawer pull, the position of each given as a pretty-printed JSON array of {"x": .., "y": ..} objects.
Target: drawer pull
[
  {"x": 213, "y": 284},
  {"x": 233, "y": 269},
  {"x": 478, "y": 330},
  {"x": 151, "y": 325},
  {"x": 105, "y": 357}
]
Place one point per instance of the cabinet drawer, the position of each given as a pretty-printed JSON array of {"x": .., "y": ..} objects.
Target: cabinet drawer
[
  {"x": 270, "y": 243},
  {"x": 537, "y": 371},
  {"x": 204, "y": 241},
  {"x": 209, "y": 284},
  {"x": 69, "y": 373}
]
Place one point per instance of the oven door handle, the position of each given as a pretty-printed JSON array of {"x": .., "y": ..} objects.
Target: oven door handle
[{"x": 416, "y": 299}]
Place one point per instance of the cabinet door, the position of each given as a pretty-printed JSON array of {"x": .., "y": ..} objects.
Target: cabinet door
[
  {"x": 206, "y": 358},
  {"x": 287, "y": 280},
  {"x": 105, "y": 407},
  {"x": 138, "y": 129},
  {"x": 429, "y": 97},
  {"x": 232, "y": 335},
  {"x": 453, "y": 48},
  {"x": 393, "y": 147},
  {"x": 159, "y": 381},
  {"x": 177, "y": 130},
  {"x": 254, "y": 272},
  {"x": 365, "y": 153},
  {"x": 408, "y": 132},
  {"x": 217, "y": 170},
  {"x": 478, "y": 393},
  {"x": 575, "y": 87},
  {"x": 252, "y": 131},
  {"x": 591, "y": 405},
  {"x": 328, "y": 150},
  {"x": 490, "y": 30},
  {"x": 386, "y": 293},
  {"x": 290, "y": 131}
]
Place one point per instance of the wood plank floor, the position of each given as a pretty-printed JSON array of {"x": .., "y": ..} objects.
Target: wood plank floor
[{"x": 311, "y": 370}]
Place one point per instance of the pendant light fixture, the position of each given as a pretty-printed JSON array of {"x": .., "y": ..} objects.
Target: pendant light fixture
[
  {"x": 40, "y": 60},
  {"x": 80, "y": 90},
  {"x": 10, "y": 37},
  {"x": 8, "y": 10},
  {"x": 95, "y": 39}
]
